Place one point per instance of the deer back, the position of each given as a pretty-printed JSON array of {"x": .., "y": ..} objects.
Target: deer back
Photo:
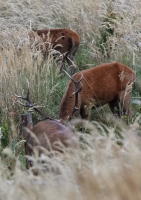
[
  {"x": 100, "y": 85},
  {"x": 55, "y": 132},
  {"x": 61, "y": 40},
  {"x": 46, "y": 134}
]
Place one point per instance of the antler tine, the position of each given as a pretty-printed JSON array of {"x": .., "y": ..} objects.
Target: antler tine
[
  {"x": 77, "y": 90},
  {"x": 75, "y": 82},
  {"x": 68, "y": 75},
  {"x": 25, "y": 98},
  {"x": 30, "y": 104}
]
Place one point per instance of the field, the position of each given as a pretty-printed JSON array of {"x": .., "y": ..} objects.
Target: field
[{"x": 107, "y": 165}]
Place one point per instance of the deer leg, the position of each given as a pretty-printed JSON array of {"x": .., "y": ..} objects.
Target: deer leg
[
  {"x": 85, "y": 112},
  {"x": 70, "y": 59},
  {"x": 115, "y": 107},
  {"x": 60, "y": 61},
  {"x": 124, "y": 98},
  {"x": 61, "y": 67},
  {"x": 121, "y": 105}
]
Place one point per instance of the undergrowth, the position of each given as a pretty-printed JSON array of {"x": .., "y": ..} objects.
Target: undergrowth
[{"x": 109, "y": 151}]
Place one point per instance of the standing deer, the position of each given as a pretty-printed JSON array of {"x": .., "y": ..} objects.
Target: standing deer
[
  {"x": 63, "y": 41},
  {"x": 46, "y": 133},
  {"x": 107, "y": 83}
]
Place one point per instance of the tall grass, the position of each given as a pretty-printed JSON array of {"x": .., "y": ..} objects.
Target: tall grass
[
  {"x": 109, "y": 31},
  {"x": 100, "y": 169}
]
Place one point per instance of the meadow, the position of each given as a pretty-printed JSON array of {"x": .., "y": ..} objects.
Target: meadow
[{"x": 107, "y": 165}]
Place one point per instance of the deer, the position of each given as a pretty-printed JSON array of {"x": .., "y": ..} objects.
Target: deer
[
  {"x": 47, "y": 132},
  {"x": 109, "y": 83},
  {"x": 62, "y": 41}
]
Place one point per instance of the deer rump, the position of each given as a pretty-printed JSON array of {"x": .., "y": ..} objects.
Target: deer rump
[
  {"x": 62, "y": 40},
  {"x": 64, "y": 43},
  {"x": 107, "y": 83}
]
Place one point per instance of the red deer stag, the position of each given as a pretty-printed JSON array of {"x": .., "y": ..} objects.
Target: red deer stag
[
  {"x": 47, "y": 128},
  {"x": 63, "y": 41},
  {"x": 107, "y": 83}
]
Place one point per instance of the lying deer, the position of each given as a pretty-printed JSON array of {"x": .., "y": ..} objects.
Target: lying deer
[
  {"x": 107, "y": 83},
  {"x": 63, "y": 41},
  {"x": 46, "y": 133}
]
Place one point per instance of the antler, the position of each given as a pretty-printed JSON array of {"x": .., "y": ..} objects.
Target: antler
[
  {"x": 31, "y": 105},
  {"x": 77, "y": 90}
]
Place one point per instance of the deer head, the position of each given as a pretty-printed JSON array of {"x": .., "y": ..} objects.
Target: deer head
[
  {"x": 53, "y": 130},
  {"x": 77, "y": 89}
]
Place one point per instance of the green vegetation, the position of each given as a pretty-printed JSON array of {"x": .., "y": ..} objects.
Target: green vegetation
[{"x": 109, "y": 150}]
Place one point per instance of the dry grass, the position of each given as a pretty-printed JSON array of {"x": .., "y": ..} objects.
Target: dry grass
[
  {"x": 88, "y": 18},
  {"x": 100, "y": 169}
]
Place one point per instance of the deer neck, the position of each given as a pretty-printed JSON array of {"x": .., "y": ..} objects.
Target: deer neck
[{"x": 26, "y": 124}]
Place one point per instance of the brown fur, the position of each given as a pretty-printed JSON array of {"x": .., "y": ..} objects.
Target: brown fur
[
  {"x": 45, "y": 134},
  {"x": 63, "y": 40},
  {"x": 106, "y": 83}
]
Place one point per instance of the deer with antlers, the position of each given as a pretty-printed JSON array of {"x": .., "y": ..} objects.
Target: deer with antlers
[
  {"x": 107, "y": 83},
  {"x": 62, "y": 42},
  {"x": 46, "y": 133}
]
